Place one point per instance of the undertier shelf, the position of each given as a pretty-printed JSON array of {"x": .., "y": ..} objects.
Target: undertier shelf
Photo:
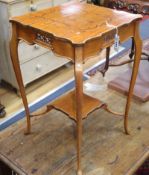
[{"x": 67, "y": 104}]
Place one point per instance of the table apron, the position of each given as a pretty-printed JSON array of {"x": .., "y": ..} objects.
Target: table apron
[
  {"x": 65, "y": 48},
  {"x": 94, "y": 46},
  {"x": 58, "y": 46}
]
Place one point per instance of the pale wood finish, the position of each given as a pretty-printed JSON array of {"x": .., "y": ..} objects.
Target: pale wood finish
[
  {"x": 15, "y": 62},
  {"x": 76, "y": 31},
  {"x": 89, "y": 104},
  {"x": 138, "y": 45}
]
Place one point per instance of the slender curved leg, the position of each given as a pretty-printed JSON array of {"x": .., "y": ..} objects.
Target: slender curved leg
[
  {"x": 132, "y": 49},
  {"x": 15, "y": 61},
  {"x": 138, "y": 49},
  {"x": 78, "y": 70},
  {"x": 107, "y": 61}
]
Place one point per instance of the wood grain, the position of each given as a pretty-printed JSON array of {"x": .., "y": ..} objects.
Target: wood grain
[
  {"x": 66, "y": 30},
  {"x": 82, "y": 22}
]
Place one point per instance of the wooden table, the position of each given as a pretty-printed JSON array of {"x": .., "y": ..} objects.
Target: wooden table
[{"x": 77, "y": 31}]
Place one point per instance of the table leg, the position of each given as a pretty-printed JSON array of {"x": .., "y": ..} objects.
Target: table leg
[
  {"x": 78, "y": 71},
  {"x": 15, "y": 61},
  {"x": 137, "y": 57},
  {"x": 107, "y": 61},
  {"x": 132, "y": 49}
]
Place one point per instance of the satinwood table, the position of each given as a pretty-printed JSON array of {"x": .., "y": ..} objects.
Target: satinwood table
[{"x": 77, "y": 31}]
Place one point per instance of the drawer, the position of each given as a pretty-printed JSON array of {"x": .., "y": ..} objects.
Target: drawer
[
  {"x": 21, "y": 7},
  {"x": 18, "y": 8},
  {"x": 27, "y": 52},
  {"x": 40, "y": 66},
  {"x": 59, "y": 2},
  {"x": 42, "y": 4}
]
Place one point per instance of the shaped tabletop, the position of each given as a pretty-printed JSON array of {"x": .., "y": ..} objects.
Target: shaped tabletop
[{"x": 76, "y": 22}]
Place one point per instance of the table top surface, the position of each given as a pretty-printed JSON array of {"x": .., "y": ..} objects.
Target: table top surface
[{"x": 76, "y": 22}]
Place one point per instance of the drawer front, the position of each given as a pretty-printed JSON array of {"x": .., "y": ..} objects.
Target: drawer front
[
  {"x": 59, "y": 2},
  {"x": 21, "y": 7},
  {"x": 41, "y": 4},
  {"x": 27, "y": 52},
  {"x": 18, "y": 8},
  {"x": 40, "y": 66}
]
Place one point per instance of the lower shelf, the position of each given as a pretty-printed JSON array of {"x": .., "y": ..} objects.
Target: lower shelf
[{"x": 67, "y": 104}]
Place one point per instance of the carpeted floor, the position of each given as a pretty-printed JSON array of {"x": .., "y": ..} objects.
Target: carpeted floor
[
  {"x": 144, "y": 169},
  {"x": 121, "y": 82}
]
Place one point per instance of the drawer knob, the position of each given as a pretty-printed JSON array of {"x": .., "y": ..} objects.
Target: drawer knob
[
  {"x": 36, "y": 46},
  {"x": 33, "y": 7},
  {"x": 38, "y": 68}
]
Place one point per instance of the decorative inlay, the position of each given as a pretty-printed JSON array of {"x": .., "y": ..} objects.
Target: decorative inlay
[
  {"x": 76, "y": 22},
  {"x": 44, "y": 39}
]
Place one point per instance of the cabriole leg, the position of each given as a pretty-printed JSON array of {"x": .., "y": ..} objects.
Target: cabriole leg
[
  {"x": 15, "y": 61},
  {"x": 132, "y": 49},
  {"x": 137, "y": 57}
]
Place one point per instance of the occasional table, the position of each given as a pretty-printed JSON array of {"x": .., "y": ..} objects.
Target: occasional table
[{"x": 78, "y": 32}]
